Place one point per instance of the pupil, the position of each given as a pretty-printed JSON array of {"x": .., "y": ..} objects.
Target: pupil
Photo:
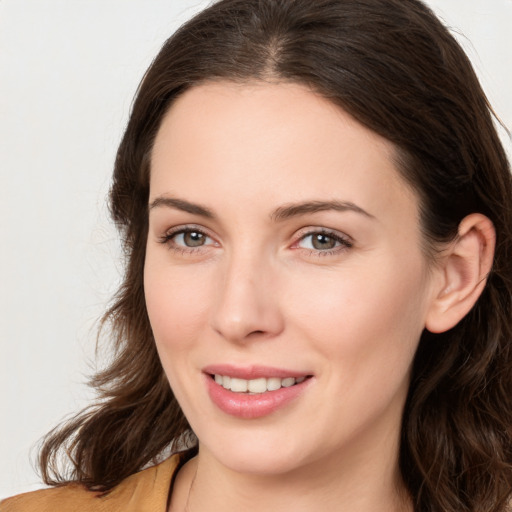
[
  {"x": 193, "y": 239},
  {"x": 323, "y": 242}
]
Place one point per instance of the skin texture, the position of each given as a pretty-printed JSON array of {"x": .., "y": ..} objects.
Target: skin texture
[{"x": 256, "y": 291}]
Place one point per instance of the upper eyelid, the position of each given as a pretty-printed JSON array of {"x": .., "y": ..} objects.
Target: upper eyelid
[
  {"x": 311, "y": 230},
  {"x": 187, "y": 227}
]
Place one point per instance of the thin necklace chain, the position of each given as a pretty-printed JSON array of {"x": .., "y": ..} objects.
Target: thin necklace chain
[{"x": 190, "y": 491}]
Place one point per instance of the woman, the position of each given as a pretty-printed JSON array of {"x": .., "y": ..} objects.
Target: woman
[{"x": 317, "y": 216}]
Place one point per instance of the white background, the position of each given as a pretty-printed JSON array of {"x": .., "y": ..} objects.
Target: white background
[{"x": 68, "y": 72}]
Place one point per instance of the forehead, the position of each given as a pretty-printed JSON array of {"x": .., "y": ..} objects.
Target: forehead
[{"x": 277, "y": 140}]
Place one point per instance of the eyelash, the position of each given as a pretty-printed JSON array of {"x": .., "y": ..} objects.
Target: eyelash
[
  {"x": 168, "y": 239},
  {"x": 343, "y": 241}
]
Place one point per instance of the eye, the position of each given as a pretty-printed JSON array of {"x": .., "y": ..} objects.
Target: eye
[
  {"x": 190, "y": 238},
  {"x": 186, "y": 239},
  {"x": 323, "y": 241}
]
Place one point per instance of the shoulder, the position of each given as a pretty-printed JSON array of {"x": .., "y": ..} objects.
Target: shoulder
[
  {"x": 66, "y": 498},
  {"x": 146, "y": 490}
]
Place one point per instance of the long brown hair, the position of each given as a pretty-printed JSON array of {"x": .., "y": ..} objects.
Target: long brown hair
[{"x": 396, "y": 69}]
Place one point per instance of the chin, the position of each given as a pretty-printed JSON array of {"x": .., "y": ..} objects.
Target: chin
[
  {"x": 256, "y": 462},
  {"x": 255, "y": 453}
]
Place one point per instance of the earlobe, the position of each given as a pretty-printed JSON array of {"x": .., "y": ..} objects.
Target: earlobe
[{"x": 464, "y": 268}]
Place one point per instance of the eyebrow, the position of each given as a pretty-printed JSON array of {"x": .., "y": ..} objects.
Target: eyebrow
[
  {"x": 295, "y": 210},
  {"x": 181, "y": 204},
  {"x": 279, "y": 214}
]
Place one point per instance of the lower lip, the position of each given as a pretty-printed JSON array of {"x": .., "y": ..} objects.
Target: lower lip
[{"x": 246, "y": 406}]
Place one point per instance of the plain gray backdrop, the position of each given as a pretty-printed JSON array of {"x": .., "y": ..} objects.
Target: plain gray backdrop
[{"x": 68, "y": 72}]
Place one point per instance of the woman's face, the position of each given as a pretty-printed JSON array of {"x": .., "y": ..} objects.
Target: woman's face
[{"x": 284, "y": 279}]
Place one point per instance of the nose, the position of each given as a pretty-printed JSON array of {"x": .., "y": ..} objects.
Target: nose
[{"x": 246, "y": 305}]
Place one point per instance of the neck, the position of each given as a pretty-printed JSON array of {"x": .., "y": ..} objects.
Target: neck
[{"x": 354, "y": 482}]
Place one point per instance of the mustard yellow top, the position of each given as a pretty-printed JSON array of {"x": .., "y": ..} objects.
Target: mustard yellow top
[{"x": 146, "y": 491}]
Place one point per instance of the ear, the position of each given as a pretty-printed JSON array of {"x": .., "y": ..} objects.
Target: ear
[{"x": 463, "y": 269}]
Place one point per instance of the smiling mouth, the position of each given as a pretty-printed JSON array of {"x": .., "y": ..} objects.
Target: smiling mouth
[{"x": 256, "y": 386}]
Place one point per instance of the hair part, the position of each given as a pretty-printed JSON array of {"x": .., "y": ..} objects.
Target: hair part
[{"x": 395, "y": 68}]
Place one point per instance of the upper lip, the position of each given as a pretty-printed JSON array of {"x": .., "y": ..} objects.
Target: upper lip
[{"x": 252, "y": 371}]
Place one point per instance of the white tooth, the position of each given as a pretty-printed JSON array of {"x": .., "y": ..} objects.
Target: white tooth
[
  {"x": 289, "y": 381},
  {"x": 226, "y": 382},
  {"x": 218, "y": 379},
  {"x": 273, "y": 384},
  {"x": 300, "y": 379},
  {"x": 257, "y": 385},
  {"x": 238, "y": 385}
]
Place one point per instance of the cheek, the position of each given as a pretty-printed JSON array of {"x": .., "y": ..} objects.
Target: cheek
[
  {"x": 177, "y": 305},
  {"x": 363, "y": 317}
]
